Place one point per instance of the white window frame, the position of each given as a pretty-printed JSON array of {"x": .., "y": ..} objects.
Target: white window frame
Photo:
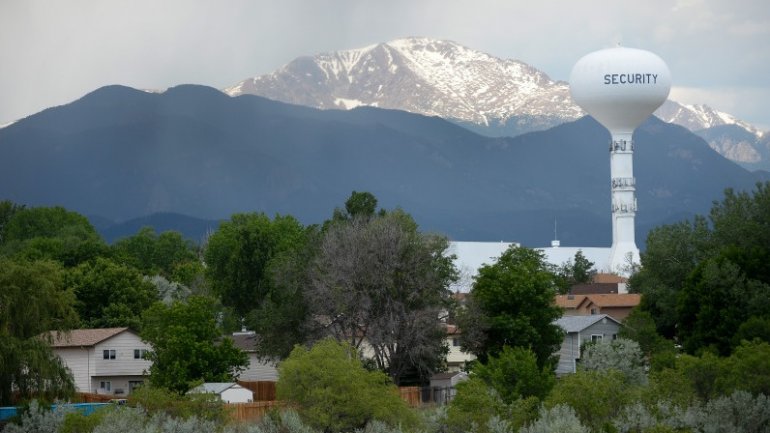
[
  {"x": 599, "y": 338},
  {"x": 140, "y": 353},
  {"x": 109, "y": 354},
  {"x": 105, "y": 385}
]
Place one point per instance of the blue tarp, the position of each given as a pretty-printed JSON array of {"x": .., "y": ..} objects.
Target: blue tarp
[{"x": 84, "y": 408}]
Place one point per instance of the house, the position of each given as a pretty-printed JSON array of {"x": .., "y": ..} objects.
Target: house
[
  {"x": 601, "y": 283},
  {"x": 617, "y": 305},
  {"x": 228, "y": 392},
  {"x": 456, "y": 358},
  {"x": 258, "y": 370},
  {"x": 579, "y": 330},
  {"x": 104, "y": 361}
]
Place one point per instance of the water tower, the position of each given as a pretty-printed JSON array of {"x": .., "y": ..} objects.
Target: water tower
[{"x": 620, "y": 87}]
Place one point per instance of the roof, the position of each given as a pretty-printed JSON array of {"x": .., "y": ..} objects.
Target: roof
[
  {"x": 215, "y": 387},
  {"x": 246, "y": 341},
  {"x": 569, "y": 301},
  {"x": 615, "y": 299},
  {"x": 578, "y": 323},
  {"x": 608, "y": 278},
  {"x": 593, "y": 288},
  {"x": 83, "y": 337}
]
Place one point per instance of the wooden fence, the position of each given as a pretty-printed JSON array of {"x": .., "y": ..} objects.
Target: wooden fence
[
  {"x": 252, "y": 411},
  {"x": 88, "y": 397},
  {"x": 411, "y": 395},
  {"x": 263, "y": 390}
]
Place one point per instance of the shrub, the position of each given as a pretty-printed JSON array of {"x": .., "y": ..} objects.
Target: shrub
[
  {"x": 596, "y": 396},
  {"x": 514, "y": 374},
  {"x": 473, "y": 406},
  {"x": 37, "y": 419},
  {"x": 623, "y": 355},
  {"x": 333, "y": 391},
  {"x": 560, "y": 418}
]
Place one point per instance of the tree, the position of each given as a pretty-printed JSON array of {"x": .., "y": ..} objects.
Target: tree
[
  {"x": 515, "y": 374},
  {"x": 380, "y": 281},
  {"x": 188, "y": 345},
  {"x": 639, "y": 326},
  {"x": 596, "y": 396},
  {"x": 576, "y": 271},
  {"x": 33, "y": 300},
  {"x": 51, "y": 233},
  {"x": 7, "y": 210},
  {"x": 474, "y": 405},
  {"x": 672, "y": 253},
  {"x": 622, "y": 355},
  {"x": 334, "y": 392},
  {"x": 167, "y": 254},
  {"x": 359, "y": 204},
  {"x": 240, "y": 253},
  {"x": 110, "y": 294},
  {"x": 511, "y": 304}
]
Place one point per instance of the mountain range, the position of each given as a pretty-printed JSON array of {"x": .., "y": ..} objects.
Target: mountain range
[
  {"x": 488, "y": 95},
  {"x": 119, "y": 153}
]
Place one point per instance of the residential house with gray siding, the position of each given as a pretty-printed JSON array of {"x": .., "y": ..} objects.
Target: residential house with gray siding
[{"x": 580, "y": 329}]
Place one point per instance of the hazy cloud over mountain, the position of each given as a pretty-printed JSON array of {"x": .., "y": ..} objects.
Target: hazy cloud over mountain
[{"x": 54, "y": 52}]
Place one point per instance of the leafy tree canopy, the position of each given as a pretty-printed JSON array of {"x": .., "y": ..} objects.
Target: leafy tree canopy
[
  {"x": 334, "y": 392},
  {"x": 110, "y": 294},
  {"x": 188, "y": 346},
  {"x": 33, "y": 301},
  {"x": 240, "y": 253},
  {"x": 511, "y": 304},
  {"x": 702, "y": 282},
  {"x": 515, "y": 374},
  {"x": 167, "y": 254},
  {"x": 51, "y": 233}
]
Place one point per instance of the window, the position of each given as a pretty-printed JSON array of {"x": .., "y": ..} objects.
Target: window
[
  {"x": 139, "y": 353},
  {"x": 108, "y": 354},
  {"x": 593, "y": 311},
  {"x": 595, "y": 338},
  {"x": 105, "y": 385},
  {"x": 456, "y": 342}
]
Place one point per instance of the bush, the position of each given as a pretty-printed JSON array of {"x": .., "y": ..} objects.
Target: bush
[
  {"x": 514, "y": 374},
  {"x": 37, "y": 419},
  {"x": 160, "y": 400},
  {"x": 333, "y": 391},
  {"x": 560, "y": 418},
  {"x": 473, "y": 406},
  {"x": 596, "y": 396},
  {"x": 623, "y": 355}
]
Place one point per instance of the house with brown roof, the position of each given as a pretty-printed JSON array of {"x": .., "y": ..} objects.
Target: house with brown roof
[
  {"x": 617, "y": 305},
  {"x": 104, "y": 361},
  {"x": 258, "y": 369}
]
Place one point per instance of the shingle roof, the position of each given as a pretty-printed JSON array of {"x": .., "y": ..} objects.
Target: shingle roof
[
  {"x": 579, "y": 323},
  {"x": 246, "y": 341},
  {"x": 569, "y": 301},
  {"x": 615, "y": 299},
  {"x": 83, "y": 337},
  {"x": 608, "y": 278}
]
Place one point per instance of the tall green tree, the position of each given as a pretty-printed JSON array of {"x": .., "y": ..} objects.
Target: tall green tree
[
  {"x": 52, "y": 233},
  {"x": 379, "y": 280},
  {"x": 701, "y": 283},
  {"x": 240, "y": 253},
  {"x": 33, "y": 301},
  {"x": 110, "y": 294},
  {"x": 167, "y": 254},
  {"x": 511, "y": 304},
  {"x": 188, "y": 345},
  {"x": 7, "y": 210}
]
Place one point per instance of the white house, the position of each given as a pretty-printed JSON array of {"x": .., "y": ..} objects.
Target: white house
[
  {"x": 228, "y": 392},
  {"x": 104, "y": 361},
  {"x": 580, "y": 329},
  {"x": 257, "y": 370}
]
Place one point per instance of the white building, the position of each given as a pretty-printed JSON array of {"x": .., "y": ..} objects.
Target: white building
[
  {"x": 470, "y": 256},
  {"x": 104, "y": 361},
  {"x": 228, "y": 392}
]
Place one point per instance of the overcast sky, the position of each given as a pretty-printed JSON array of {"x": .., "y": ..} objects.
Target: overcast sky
[{"x": 53, "y": 52}]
